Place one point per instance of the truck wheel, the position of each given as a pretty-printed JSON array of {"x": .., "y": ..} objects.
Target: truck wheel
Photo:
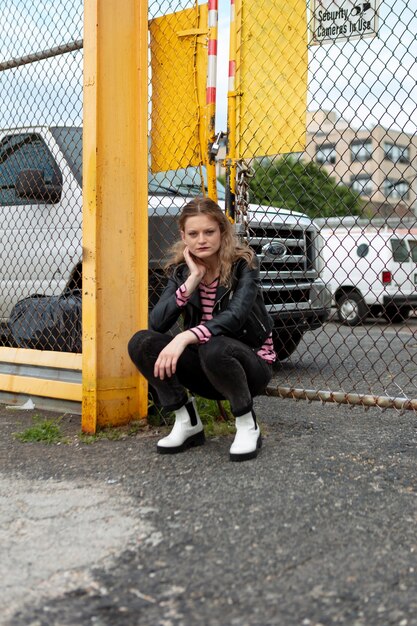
[
  {"x": 395, "y": 314},
  {"x": 351, "y": 308},
  {"x": 285, "y": 342}
]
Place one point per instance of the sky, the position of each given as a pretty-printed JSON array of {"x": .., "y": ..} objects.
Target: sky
[
  {"x": 371, "y": 81},
  {"x": 368, "y": 82},
  {"x": 48, "y": 91}
]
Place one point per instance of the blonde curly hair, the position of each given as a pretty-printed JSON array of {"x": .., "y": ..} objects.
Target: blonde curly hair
[{"x": 231, "y": 249}]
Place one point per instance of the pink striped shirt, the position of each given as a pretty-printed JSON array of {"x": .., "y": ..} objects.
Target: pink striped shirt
[{"x": 208, "y": 298}]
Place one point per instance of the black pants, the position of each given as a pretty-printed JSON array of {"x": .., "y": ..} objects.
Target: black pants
[{"x": 221, "y": 369}]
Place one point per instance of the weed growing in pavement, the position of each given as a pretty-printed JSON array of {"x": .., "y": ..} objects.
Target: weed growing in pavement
[
  {"x": 43, "y": 430},
  {"x": 114, "y": 433},
  {"x": 216, "y": 421},
  {"x": 157, "y": 416}
]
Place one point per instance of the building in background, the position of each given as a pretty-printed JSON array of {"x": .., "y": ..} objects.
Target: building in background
[{"x": 379, "y": 163}]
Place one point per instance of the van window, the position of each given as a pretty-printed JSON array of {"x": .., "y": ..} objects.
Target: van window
[
  {"x": 183, "y": 182},
  {"x": 362, "y": 250},
  {"x": 26, "y": 151},
  {"x": 400, "y": 250},
  {"x": 413, "y": 247},
  {"x": 70, "y": 140}
]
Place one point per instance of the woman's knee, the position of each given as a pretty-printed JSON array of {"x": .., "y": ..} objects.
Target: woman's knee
[
  {"x": 213, "y": 350},
  {"x": 144, "y": 342},
  {"x": 135, "y": 343}
]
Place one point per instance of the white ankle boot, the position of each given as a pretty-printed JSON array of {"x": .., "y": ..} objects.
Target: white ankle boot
[
  {"x": 187, "y": 431},
  {"x": 248, "y": 438}
]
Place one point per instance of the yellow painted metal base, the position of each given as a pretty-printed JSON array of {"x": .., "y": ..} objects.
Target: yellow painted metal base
[{"x": 39, "y": 385}]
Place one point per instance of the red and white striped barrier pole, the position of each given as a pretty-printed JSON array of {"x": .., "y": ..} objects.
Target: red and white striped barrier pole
[
  {"x": 231, "y": 120},
  {"x": 213, "y": 18}
]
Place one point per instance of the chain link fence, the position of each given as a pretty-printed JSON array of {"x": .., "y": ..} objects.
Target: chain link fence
[
  {"x": 356, "y": 178},
  {"x": 40, "y": 174},
  {"x": 332, "y": 191}
]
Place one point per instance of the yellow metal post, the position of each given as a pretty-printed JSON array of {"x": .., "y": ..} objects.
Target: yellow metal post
[{"x": 115, "y": 214}]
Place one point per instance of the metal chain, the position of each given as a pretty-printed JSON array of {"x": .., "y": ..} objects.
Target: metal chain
[{"x": 243, "y": 175}]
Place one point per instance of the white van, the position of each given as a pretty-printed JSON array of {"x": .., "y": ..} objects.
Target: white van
[{"x": 371, "y": 271}]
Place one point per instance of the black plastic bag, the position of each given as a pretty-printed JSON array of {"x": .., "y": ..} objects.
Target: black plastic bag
[{"x": 48, "y": 322}]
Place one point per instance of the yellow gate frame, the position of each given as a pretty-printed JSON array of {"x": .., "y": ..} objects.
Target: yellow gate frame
[
  {"x": 115, "y": 209},
  {"x": 115, "y": 230}
]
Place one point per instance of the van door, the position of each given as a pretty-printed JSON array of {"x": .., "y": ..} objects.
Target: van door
[
  {"x": 403, "y": 267},
  {"x": 412, "y": 243},
  {"x": 403, "y": 270},
  {"x": 30, "y": 189}
]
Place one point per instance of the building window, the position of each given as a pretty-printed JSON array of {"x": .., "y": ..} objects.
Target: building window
[
  {"x": 326, "y": 153},
  {"x": 362, "y": 184},
  {"x": 360, "y": 150},
  {"x": 395, "y": 153},
  {"x": 396, "y": 189}
]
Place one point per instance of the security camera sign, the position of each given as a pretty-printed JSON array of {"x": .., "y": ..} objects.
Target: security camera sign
[{"x": 336, "y": 20}]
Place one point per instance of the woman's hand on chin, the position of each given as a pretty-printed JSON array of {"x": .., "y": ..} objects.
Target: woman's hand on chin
[{"x": 197, "y": 271}]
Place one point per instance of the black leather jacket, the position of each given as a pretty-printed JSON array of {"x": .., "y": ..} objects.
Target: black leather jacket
[{"x": 239, "y": 310}]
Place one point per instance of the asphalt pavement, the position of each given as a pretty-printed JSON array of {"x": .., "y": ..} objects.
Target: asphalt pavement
[{"x": 320, "y": 529}]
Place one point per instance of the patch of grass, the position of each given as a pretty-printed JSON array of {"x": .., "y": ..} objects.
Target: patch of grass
[
  {"x": 43, "y": 430},
  {"x": 136, "y": 427},
  {"x": 215, "y": 424},
  {"x": 158, "y": 416},
  {"x": 114, "y": 433}
]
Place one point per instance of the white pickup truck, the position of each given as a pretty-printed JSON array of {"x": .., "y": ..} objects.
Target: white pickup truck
[{"x": 41, "y": 222}]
